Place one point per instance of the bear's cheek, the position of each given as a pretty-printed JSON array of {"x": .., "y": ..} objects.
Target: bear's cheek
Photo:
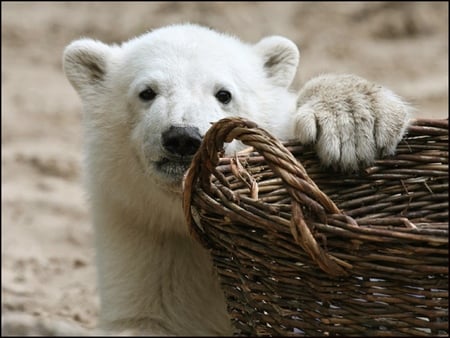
[{"x": 145, "y": 141}]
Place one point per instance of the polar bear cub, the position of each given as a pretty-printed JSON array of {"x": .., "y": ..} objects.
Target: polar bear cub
[{"x": 148, "y": 102}]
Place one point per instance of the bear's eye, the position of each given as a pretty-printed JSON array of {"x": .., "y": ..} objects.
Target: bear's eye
[
  {"x": 223, "y": 96},
  {"x": 147, "y": 94}
]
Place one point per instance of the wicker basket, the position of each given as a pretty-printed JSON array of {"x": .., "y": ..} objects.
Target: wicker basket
[{"x": 313, "y": 252}]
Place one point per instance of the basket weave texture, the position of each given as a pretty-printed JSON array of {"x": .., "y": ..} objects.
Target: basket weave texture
[{"x": 303, "y": 250}]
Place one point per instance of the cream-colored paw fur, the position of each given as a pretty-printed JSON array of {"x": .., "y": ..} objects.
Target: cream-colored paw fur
[{"x": 351, "y": 120}]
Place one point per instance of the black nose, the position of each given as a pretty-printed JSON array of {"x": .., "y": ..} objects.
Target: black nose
[{"x": 181, "y": 141}]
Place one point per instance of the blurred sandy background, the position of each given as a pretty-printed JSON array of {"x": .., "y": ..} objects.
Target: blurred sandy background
[{"x": 47, "y": 255}]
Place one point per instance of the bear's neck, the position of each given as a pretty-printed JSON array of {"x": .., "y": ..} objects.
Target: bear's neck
[{"x": 148, "y": 269}]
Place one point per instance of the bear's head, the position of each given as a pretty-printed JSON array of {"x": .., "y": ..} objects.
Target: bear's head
[{"x": 149, "y": 101}]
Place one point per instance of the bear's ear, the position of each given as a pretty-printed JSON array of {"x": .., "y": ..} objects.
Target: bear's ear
[
  {"x": 280, "y": 57},
  {"x": 86, "y": 62}
]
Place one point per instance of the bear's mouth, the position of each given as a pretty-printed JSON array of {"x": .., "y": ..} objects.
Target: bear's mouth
[{"x": 173, "y": 169}]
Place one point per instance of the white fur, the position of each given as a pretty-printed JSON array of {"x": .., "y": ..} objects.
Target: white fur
[
  {"x": 350, "y": 119},
  {"x": 152, "y": 276}
]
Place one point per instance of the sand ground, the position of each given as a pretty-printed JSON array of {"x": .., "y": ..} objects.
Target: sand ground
[{"x": 48, "y": 273}]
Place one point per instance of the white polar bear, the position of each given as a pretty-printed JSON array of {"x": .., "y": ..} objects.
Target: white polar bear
[{"x": 147, "y": 104}]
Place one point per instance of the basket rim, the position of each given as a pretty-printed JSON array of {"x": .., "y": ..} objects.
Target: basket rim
[{"x": 302, "y": 189}]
